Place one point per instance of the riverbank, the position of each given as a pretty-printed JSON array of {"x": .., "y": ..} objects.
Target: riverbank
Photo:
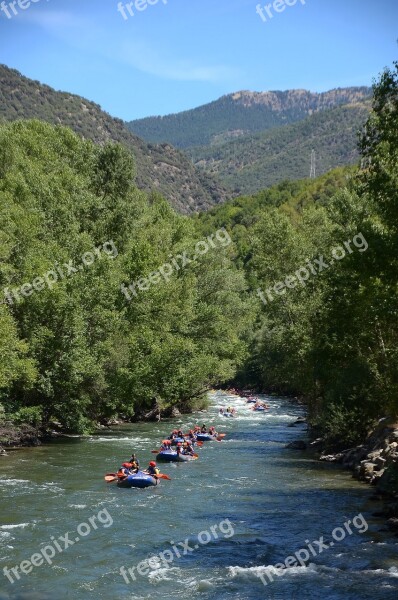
[
  {"x": 14, "y": 436},
  {"x": 17, "y": 436},
  {"x": 376, "y": 462},
  {"x": 274, "y": 499}
]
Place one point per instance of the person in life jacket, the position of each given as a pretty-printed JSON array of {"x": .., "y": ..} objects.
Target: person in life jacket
[
  {"x": 124, "y": 471},
  {"x": 179, "y": 448},
  {"x": 152, "y": 469},
  {"x": 180, "y": 433},
  {"x": 187, "y": 448},
  {"x": 173, "y": 435},
  {"x": 212, "y": 431},
  {"x": 191, "y": 435},
  {"x": 203, "y": 428},
  {"x": 135, "y": 463},
  {"x": 166, "y": 444}
]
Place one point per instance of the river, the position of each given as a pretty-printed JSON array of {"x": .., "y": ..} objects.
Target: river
[{"x": 245, "y": 505}]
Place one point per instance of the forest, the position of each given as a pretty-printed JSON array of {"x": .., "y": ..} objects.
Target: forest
[{"x": 76, "y": 352}]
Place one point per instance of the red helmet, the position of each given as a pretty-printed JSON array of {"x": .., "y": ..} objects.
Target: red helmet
[
  {"x": 179, "y": 444},
  {"x": 127, "y": 465},
  {"x": 152, "y": 463}
]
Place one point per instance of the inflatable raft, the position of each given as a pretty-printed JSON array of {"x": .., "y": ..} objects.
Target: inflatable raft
[
  {"x": 138, "y": 480},
  {"x": 207, "y": 437},
  {"x": 167, "y": 456}
]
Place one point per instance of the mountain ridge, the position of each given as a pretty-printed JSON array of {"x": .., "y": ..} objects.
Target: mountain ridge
[
  {"x": 242, "y": 113},
  {"x": 160, "y": 167},
  {"x": 258, "y": 161}
]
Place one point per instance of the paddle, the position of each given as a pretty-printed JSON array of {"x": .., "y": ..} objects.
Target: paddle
[
  {"x": 110, "y": 478},
  {"x": 163, "y": 476}
]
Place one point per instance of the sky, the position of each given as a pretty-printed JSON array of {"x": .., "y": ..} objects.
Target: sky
[{"x": 173, "y": 55}]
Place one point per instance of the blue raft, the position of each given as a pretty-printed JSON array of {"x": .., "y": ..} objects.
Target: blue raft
[
  {"x": 170, "y": 456},
  {"x": 205, "y": 437},
  {"x": 138, "y": 480}
]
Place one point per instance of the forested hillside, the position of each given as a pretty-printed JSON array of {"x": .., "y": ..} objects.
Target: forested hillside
[
  {"x": 113, "y": 304},
  {"x": 75, "y": 345},
  {"x": 251, "y": 163},
  {"x": 321, "y": 259},
  {"x": 159, "y": 167},
  {"x": 240, "y": 114}
]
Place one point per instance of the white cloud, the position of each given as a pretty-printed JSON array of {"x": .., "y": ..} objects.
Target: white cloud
[
  {"x": 145, "y": 58},
  {"x": 53, "y": 20},
  {"x": 84, "y": 34}
]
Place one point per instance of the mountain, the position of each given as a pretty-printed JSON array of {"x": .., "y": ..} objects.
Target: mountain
[
  {"x": 160, "y": 168},
  {"x": 252, "y": 163},
  {"x": 239, "y": 144},
  {"x": 240, "y": 114}
]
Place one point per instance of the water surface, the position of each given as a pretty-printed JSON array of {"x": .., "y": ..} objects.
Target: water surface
[{"x": 261, "y": 500}]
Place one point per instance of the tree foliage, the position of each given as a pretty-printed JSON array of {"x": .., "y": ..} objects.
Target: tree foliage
[
  {"x": 77, "y": 349},
  {"x": 332, "y": 339}
]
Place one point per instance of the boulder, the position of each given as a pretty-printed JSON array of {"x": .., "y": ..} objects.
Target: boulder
[
  {"x": 376, "y": 476},
  {"x": 366, "y": 471},
  {"x": 380, "y": 462},
  {"x": 318, "y": 442},
  {"x": 332, "y": 457},
  {"x": 372, "y": 455}
]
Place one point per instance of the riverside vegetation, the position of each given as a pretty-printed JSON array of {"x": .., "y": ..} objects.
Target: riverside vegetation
[{"x": 79, "y": 354}]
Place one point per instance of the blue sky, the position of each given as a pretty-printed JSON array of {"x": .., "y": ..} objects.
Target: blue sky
[{"x": 178, "y": 54}]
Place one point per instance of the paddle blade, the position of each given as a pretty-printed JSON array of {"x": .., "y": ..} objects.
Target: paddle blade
[
  {"x": 155, "y": 451},
  {"x": 222, "y": 435},
  {"x": 199, "y": 443},
  {"x": 110, "y": 478},
  {"x": 195, "y": 455},
  {"x": 163, "y": 476}
]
